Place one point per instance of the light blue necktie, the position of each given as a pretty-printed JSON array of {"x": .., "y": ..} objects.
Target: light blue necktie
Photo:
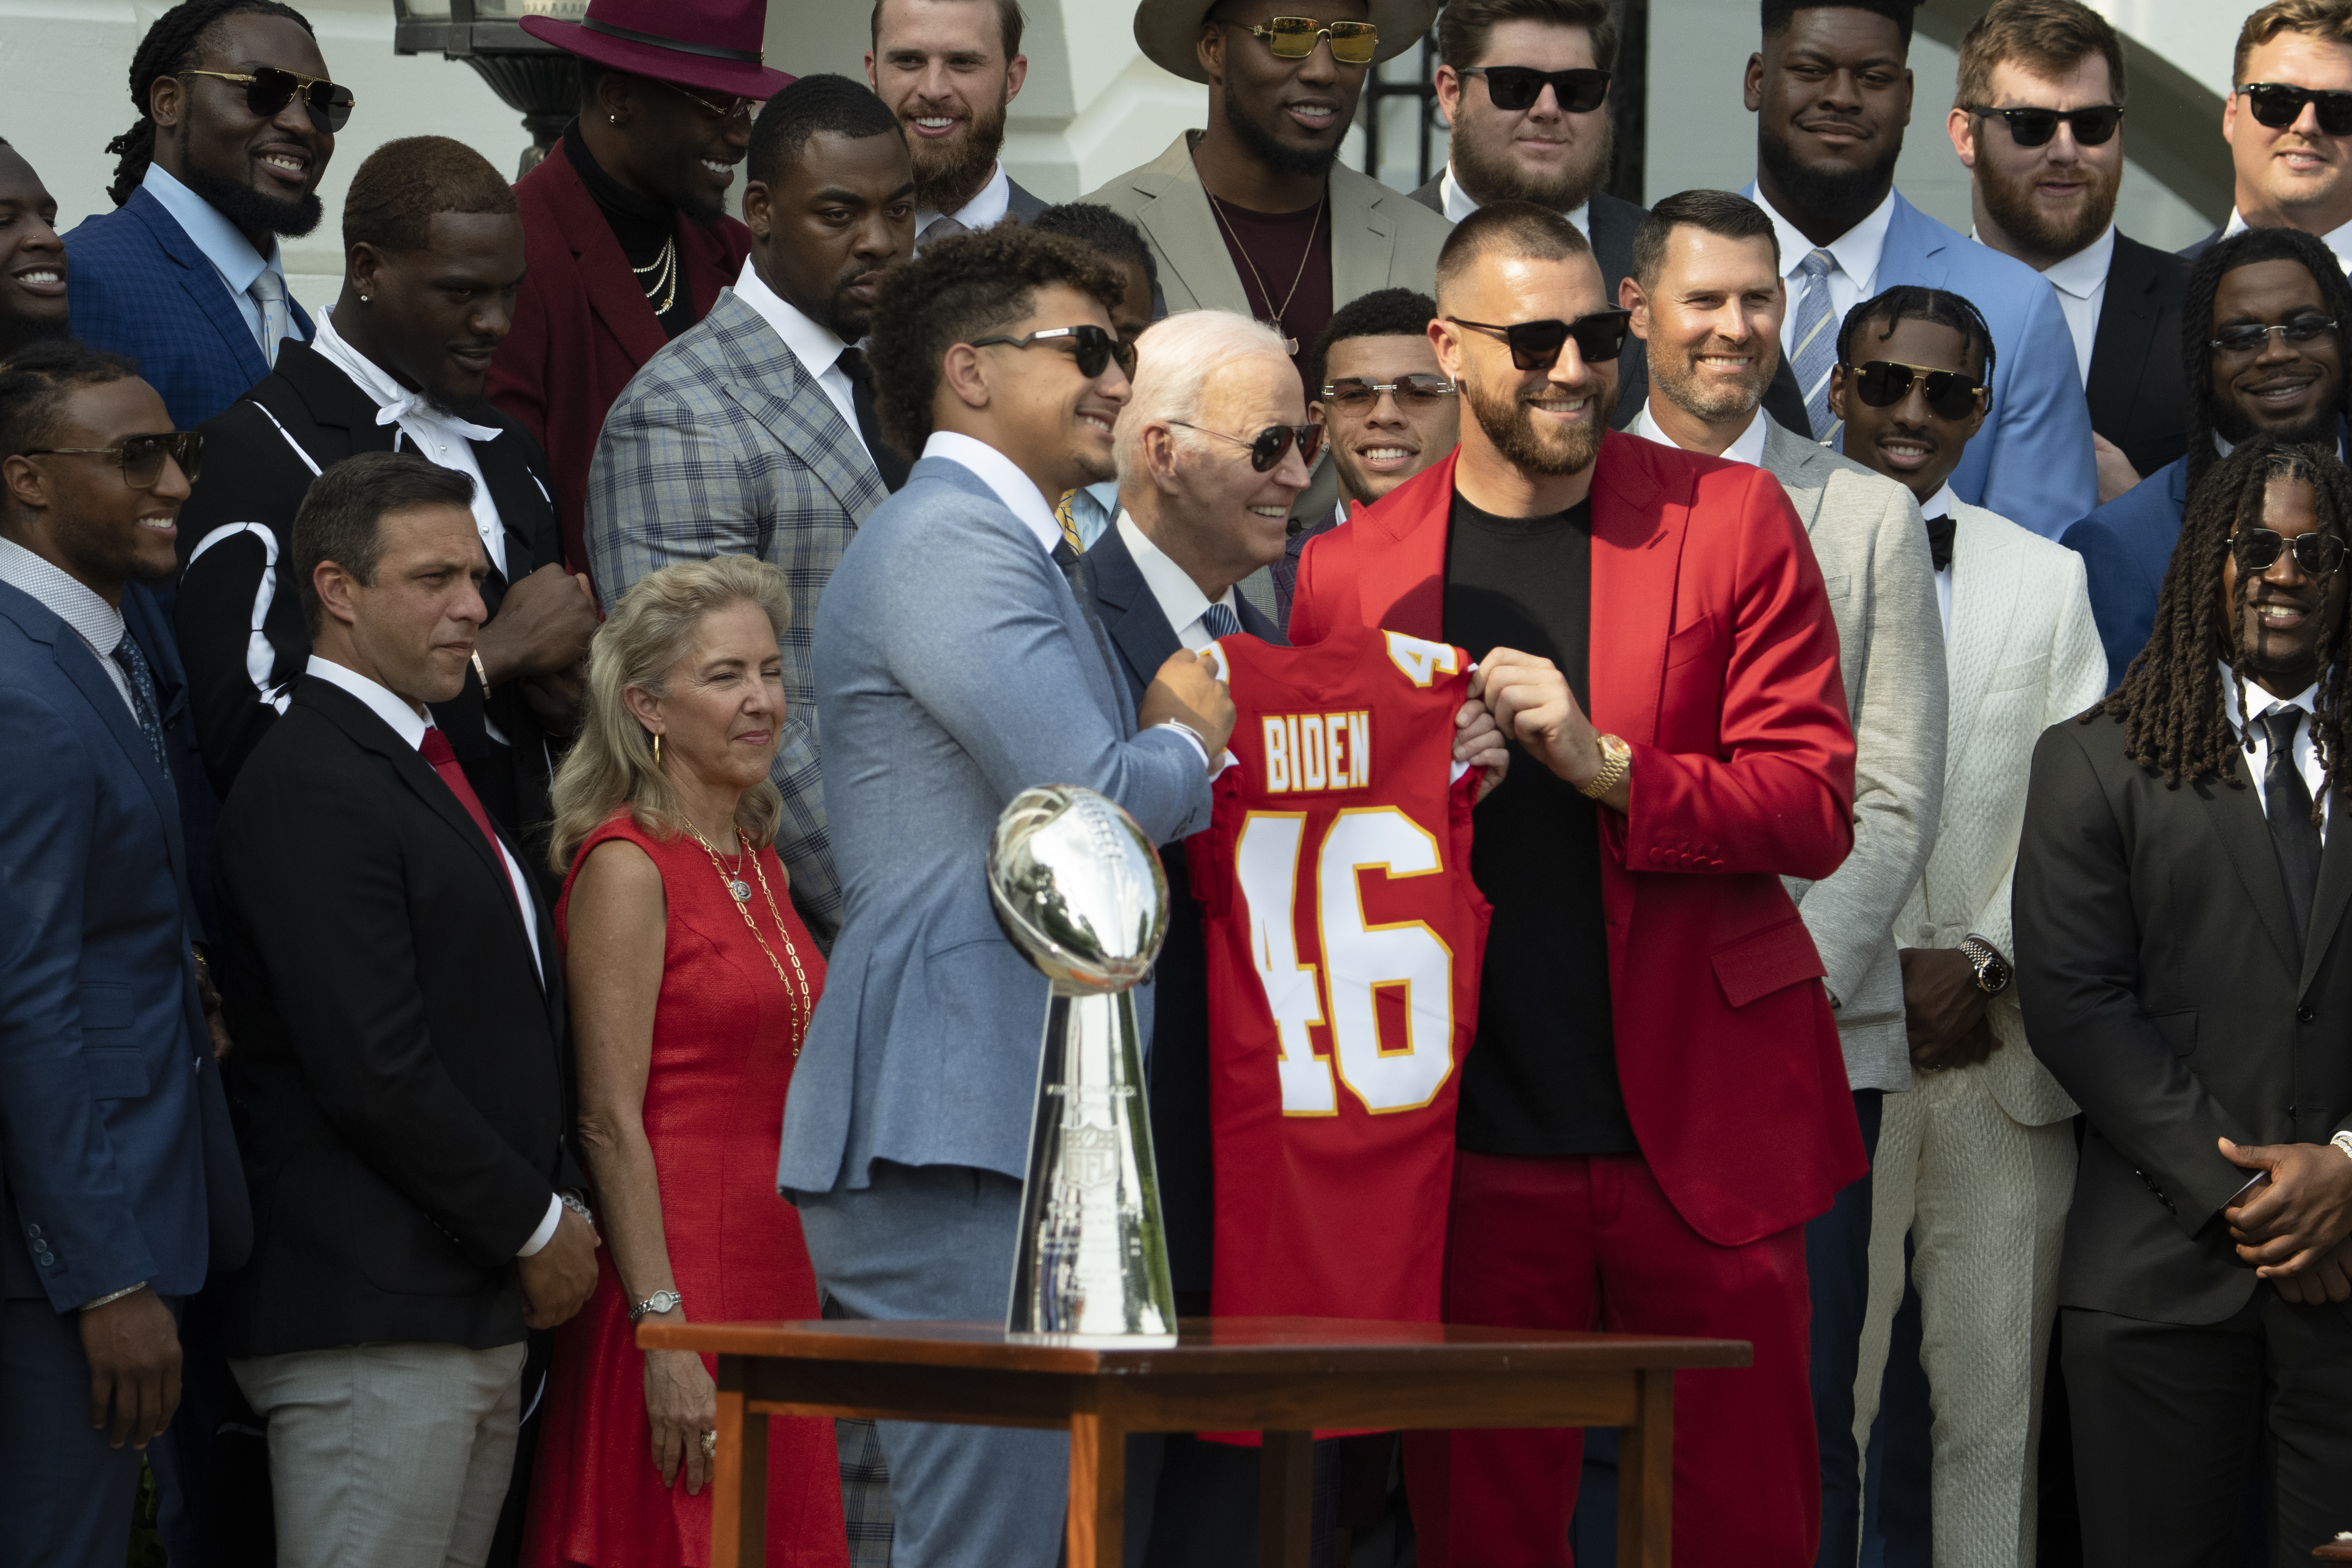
[
  {"x": 1815, "y": 354},
  {"x": 134, "y": 660},
  {"x": 268, "y": 290},
  {"x": 1219, "y": 621}
]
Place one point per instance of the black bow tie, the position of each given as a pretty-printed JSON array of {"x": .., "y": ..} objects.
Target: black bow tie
[{"x": 1939, "y": 541}]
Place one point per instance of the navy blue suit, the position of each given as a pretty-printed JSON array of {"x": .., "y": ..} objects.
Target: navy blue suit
[
  {"x": 2126, "y": 545},
  {"x": 117, "y": 1163}
]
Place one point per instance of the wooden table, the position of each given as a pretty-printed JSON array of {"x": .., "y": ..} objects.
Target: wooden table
[{"x": 1282, "y": 1376}]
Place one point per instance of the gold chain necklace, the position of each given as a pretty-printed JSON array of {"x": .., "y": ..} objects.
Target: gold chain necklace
[
  {"x": 1289, "y": 343},
  {"x": 741, "y": 893},
  {"x": 666, "y": 264}
]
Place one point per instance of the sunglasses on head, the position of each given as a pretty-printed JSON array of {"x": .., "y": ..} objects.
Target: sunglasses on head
[
  {"x": 1295, "y": 38},
  {"x": 2258, "y": 549},
  {"x": 1266, "y": 447},
  {"x": 1578, "y": 91},
  {"x": 141, "y": 457},
  {"x": 2093, "y": 127},
  {"x": 1354, "y": 392},
  {"x": 1884, "y": 383},
  {"x": 268, "y": 92},
  {"x": 2251, "y": 337},
  {"x": 2278, "y": 105},
  {"x": 1535, "y": 346},
  {"x": 1091, "y": 346}
]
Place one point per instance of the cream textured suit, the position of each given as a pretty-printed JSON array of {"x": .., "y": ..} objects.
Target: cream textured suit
[
  {"x": 1977, "y": 1164},
  {"x": 1380, "y": 238}
]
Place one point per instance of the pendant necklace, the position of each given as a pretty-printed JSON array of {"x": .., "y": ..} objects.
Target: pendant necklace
[
  {"x": 664, "y": 268},
  {"x": 796, "y": 997},
  {"x": 1289, "y": 343}
]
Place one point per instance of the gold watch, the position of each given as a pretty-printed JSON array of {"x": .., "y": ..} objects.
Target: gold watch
[{"x": 1616, "y": 761}]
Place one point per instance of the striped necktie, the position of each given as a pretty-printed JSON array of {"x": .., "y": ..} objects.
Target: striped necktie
[
  {"x": 1815, "y": 354},
  {"x": 268, "y": 290},
  {"x": 1219, "y": 621},
  {"x": 1062, "y": 515}
]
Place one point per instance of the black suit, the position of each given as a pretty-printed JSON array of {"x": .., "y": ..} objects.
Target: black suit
[
  {"x": 1021, "y": 204},
  {"x": 2198, "y": 247},
  {"x": 2138, "y": 397},
  {"x": 1613, "y": 220},
  {"x": 2166, "y": 987},
  {"x": 235, "y": 555},
  {"x": 399, "y": 1067}
]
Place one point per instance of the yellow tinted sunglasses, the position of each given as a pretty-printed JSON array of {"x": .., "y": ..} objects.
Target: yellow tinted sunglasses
[{"x": 1295, "y": 38}]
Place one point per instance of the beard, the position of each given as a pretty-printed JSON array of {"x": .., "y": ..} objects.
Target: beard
[
  {"x": 1710, "y": 398},
  {"x": 1489, "y": 176},
  {"x": 2009, "y": 200},
  {"x": 1303, "y": 163},
  {"x": 948, "y": 175},
  {"x": 1835, "y": 196},
  {"x": 1502, "y": 413},
  {"x": 245, "y": 207},
  {"x": 2230, "y": 422}
]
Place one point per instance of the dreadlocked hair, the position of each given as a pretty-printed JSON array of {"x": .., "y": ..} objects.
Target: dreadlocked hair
[
  {"x": 171, "y": 46},
  {"x": 2244, "y": 248},
  {"x": 2170, "y": 696}
]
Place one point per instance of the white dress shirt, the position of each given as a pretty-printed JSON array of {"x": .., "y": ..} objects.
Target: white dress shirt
[
  {"x": 817, "y": 348},
  {"x": 1943, "y": 503},
  {"x": 231, "y": 254},
  {"x": 1180, "y": 598},
  {"x": 985, "y": 210},
  {"x": 2081, "y": 280},
  {"x": 1856, "y": 252},
  {"x": 1458, "y": 204},
  {"x": 1748, "y": 447},
  {"x": 2338, "y": 240},
  {"x": 96, "y": 622},
  {"x": 2257, "y": 761}
]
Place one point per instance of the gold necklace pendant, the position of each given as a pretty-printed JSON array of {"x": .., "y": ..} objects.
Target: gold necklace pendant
[{"x": 740, "y": 891}]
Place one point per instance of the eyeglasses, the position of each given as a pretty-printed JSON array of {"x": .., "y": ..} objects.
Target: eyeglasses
[
  {"x": 1535, "y": 346},
  {"x": 1884, "y": 383},
  {"x": 2251, "y": 337},
  {"x": 1354, "y": 392},
  {"x": 2258, "y": 549},
  {"x": 1266, "y": 447},
  {"x": 2093, "y": 127},
  {"x": 733, "y": 109},
  {"x": 268, "y": 92},
  {"x": 1578, "y": 91},
  {"x": 2278, "y": 105},
  {"x": 1295, "y": 38},
  {"x": 141, "y": 457},
  {"x": 1092, "y": 346}
]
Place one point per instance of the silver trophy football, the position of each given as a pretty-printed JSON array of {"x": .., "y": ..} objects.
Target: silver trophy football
[{"x": 1079, "y": 890}]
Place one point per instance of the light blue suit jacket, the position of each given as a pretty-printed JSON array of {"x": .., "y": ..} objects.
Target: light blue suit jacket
[{"x": 954, "y": 669}]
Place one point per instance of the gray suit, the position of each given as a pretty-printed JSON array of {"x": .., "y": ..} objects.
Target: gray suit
[
  {"x": 724, "y": 445},
  {"x": 954, "y": 669}
]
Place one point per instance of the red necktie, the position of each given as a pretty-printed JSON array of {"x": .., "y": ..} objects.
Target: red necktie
[{"x": 436, "y": 748}]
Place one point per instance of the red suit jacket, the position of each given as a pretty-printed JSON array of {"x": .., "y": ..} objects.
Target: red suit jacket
[
  {"x": 1713, "y": 656},
  {"x": 582, "y": 325}
]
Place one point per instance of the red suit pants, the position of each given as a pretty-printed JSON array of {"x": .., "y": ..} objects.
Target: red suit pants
[{"x": 1591, "y": 1242}]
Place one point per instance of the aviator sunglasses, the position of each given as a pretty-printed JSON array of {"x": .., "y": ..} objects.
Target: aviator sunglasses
[
  {"x": 2251, "y": 337},
  {"x": 1266, "y": 447},
  {"x": 1535, "y": 346},
  {"x": 1091, "y": 346},
  {"x": 268, "y": 90},
  {"x": 1884, "y": 383},
  {"x": 2258, "y": 549},
  {"x": 1579, "y": 92},
  {"x": 1354, "y": 392},
  {"x": 2093, "y": 127},
  {"x": 141, "y": 457},
  {"x": 1295, "y": 38},
  {"x": 2278, "y": 105}
]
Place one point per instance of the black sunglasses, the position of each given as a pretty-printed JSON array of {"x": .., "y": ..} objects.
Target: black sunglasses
[
  {"x": 1266, "y": 447},
  {"x": 1535, "y": 346},
  {"x": 2093, "y": 127},
  {"x": 2278, "y": 106},
  {"x": 2258, "y": 549},
  {"x": 141, "y": 457},
  {"x": 1579, "y": 92},
  {"x": 2250, "y": 337},
  {"x": 1884, "y": 383},
  {"x": 1092, "y": 346},
  {"x": 268, "y": 90},
  {"x": 1354, "y": 392}
]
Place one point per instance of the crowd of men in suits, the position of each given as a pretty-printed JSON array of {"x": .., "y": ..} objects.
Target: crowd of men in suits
[{"x": 1916, "y": 943}]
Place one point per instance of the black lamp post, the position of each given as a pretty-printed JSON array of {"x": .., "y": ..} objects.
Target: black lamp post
[{"x": 540, "y": 81}]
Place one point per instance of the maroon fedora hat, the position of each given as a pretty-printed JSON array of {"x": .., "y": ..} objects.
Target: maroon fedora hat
[{"x": 713, "y": 45}]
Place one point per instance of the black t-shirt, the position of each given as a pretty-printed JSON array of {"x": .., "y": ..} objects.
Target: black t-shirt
[
  {"x": 1542, "y": 1078},
  {"x": 644, "y": 226}
]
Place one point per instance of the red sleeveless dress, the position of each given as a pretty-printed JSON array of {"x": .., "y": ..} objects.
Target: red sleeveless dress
[{"x": 724, "y": 1035}]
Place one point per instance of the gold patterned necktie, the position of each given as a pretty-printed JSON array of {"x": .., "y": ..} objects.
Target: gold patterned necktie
[{"x": 1069, "y": 523}]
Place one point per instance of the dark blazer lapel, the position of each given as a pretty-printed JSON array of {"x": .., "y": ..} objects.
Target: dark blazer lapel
[
  {"x": 1255, "y": 622},
  {"x": 202, "y": 284},
  {"x": 2123, "y": 337},
  {"x": 80, "y": 667},
  {"x": 526, "y": 510},
  {"x": 604, "y": 271},
  {"x": 773, "y": 387},
  {"x": 2328, "y": 903},
  {"x": 2237, "y": 816},
  {"x": 1129, "y": 611}
]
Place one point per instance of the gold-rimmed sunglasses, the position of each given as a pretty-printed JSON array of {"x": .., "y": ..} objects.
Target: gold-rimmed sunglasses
[
  {"x": 734, "y": 109},
  {"x": 268, "y": 92},
  {"x": 1295, "y": 38},
  {"x": 141, "y": 457}
]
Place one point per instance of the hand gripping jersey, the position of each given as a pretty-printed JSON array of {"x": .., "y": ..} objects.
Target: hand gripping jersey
[{"x": 1344, "y": 936}]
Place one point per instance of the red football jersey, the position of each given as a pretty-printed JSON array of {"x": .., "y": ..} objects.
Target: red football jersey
[{"x": 1344, "y": 937}]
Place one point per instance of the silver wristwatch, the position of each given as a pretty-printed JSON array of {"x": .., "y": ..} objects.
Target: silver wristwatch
[
  {"x": 1992, "y": 969},
  {"x": 659, "y": 1301}
]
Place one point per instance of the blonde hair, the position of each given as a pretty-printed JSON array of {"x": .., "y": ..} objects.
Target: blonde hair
[
  {"x": 1175, "y": 357},
  {"x": 610, "y": 764}
]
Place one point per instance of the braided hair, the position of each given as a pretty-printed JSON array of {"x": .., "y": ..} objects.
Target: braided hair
[
  {"x": 174, "y": 45},
  {"x": 2170, "y": 698},
  {"x": 1912, "y": 302},
  {"x": 2244, "y": 248}
]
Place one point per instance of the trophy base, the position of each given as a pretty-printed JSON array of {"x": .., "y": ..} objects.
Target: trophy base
[{"x": 1092, "y": 1341}]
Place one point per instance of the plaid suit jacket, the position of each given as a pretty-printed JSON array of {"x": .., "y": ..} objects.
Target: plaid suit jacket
[{"x": 723, "y": 444}]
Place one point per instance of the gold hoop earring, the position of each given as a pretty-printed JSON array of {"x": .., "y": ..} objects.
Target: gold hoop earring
[{"x": 657, "y": 750}]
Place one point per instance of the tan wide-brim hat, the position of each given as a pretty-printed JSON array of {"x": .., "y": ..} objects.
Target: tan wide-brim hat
[{"x": 1168, "y": 31}]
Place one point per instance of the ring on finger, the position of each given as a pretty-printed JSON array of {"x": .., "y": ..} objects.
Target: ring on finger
[{"x": 710, "y": 1445}]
